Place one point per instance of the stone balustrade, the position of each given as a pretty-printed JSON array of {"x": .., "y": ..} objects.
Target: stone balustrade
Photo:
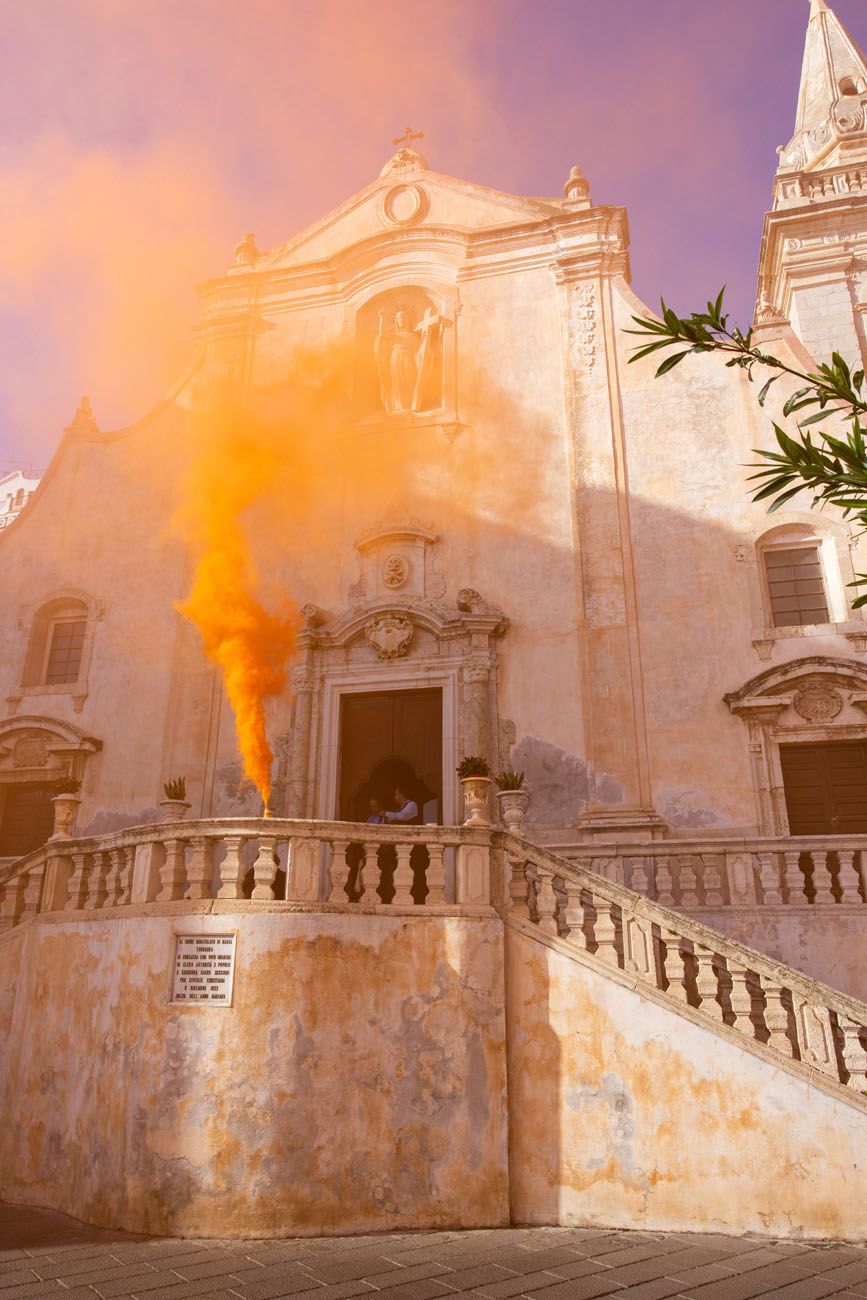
[
  {"x": 664, "y": 952},
  {"x": 334, "y": 864},
  {"x": 689, "y": 874},
  {"x": 248, "y": 862}
]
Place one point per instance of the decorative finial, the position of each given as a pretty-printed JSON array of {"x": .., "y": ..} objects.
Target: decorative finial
[
  {"x": 83, "y": 421},
  {"x": 577, "y": 189},
  {"x": 246, "y": 251},
  {"x": 404, "y": 141}
]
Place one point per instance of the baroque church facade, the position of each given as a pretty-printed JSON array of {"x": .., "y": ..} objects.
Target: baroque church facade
[{"x": 306, "y": 1022}]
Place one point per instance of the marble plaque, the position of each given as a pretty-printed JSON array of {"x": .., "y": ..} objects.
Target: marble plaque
[{"x": 204, "y": 970}]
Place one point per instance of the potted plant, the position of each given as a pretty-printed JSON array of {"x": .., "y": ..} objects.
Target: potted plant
[
  {"x": 66, "y": 805},
  {"x": 474, "y": 774},
  {"x": 175, "y": 806},
  {"x": 513, "y": 798}
]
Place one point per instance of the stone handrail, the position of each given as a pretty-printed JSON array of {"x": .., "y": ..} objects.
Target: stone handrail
[
  {"x": 339, "y": 864},
  {"x": 796, "y": 871},
  {"x": 689, "y": 964}
]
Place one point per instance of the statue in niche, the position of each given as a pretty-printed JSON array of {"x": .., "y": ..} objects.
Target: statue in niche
[{"x": 408, "y": 360}]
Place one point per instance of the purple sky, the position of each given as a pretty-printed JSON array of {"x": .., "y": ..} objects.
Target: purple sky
[{"x": 139, "y": 140}]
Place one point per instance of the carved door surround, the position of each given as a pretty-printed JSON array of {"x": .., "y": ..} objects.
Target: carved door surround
[
  {"x": 805, "y": 701},
  {"x": 390, "y": 642},
  {"x": 35, "y": 750}
]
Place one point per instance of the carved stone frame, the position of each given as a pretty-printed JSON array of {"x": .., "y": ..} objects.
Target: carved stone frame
[
  {"x": 464, "y": 665},
  {"x": 767, "y": 704},
  {"x": 66, "y": 751}
]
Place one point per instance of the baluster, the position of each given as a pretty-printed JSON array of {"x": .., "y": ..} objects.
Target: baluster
[
  {"x": 776, "y": 1016},
  {"x": 664, "y": 882},
  {"x": 638, "y": 946},
  {"x": 639, "y": 878},
  {"x": 97, "y": 891},
  {"x": 127, "y": 864},
  {"x": 707, "y": 982},
  {"x": 854, "y": 1054},
  {"x": 13, "y": 908},
  {"x": 232, "y": 869},
  {"x": 403, "y": 877},
  {"x": 849, "y": 891},
  {"x": 605, "y": 931},
  {"x": 173, "y": 872},
  {"x": 573, "y": 914},
  {"x": 113, "y": 878},
  {"x": 368, "y": 874},
  {"x": 688, "y": 890},
  {"x": 32, "y": 891},
  {"x": 821, "y": 878},
  {"x": 769, "y": 877},
  {"x": 338, "y": 872},
  {"x": 519, "y": 887},
  {"x": 201, "y": 867},
  {"x": 546, "y": 901},
  {"x": 265, "y": 869},
  {"x": 712, "y": 876},
  {"x": 792, "y": 877},
  {"x": 78, "y": 885},
  {"x": 436, "y": 875},
  {"x": 741, "y": 1000},
  {"x": 675, "y": 966}
]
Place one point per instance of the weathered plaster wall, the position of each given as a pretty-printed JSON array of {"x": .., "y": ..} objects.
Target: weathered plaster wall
[
  {"x": 622, "y": 1114},
  {"x": 357, "y": 1082},
  {"x": 825, "y": 943}
]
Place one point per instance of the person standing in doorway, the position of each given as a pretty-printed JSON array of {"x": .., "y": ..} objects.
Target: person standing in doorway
[{"x": 405, "y": 809}]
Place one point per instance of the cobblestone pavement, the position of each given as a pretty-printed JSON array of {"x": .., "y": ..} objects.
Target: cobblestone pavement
[{"x": 46, "y": 1254}]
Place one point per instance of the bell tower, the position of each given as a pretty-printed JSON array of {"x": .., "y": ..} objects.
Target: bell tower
[{"x": 813, "y": 264}]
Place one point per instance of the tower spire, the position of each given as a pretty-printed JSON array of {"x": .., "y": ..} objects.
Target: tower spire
[{"x": 832, "y": 103}]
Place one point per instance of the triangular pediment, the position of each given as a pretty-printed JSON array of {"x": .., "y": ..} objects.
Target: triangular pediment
[{"x": 401, "y": 201}]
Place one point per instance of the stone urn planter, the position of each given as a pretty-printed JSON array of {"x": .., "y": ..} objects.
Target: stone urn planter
[
  {"x": 513, "y": 808},
  {"x": 477, "y": 799},
  {"x": 66, "y": 808},
  {"x": 174, "y": 810}
]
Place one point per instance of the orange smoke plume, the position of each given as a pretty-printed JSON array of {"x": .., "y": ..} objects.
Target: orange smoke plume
[{"x": 250, "y": 645}]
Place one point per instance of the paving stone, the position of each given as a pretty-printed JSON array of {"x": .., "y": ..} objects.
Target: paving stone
[
  {"x": 413, "y": 1273},
  {"x": 580, "y": 1268},
  {"x": 426, "y": 1290},
  {"x": 467, "y": 1279},
  {"x": 357, "y": 1265},
  {"x": 659, "y": 1289},
  {"x": 809, "y": 1288},
  {"x": 73, "y": 1267},
  {"x": 129, "y": 1282},
  {"x": 521, "y": 1284},
  {"x": 38, "y": 1290},
  {"x": 585, "y": 1288},
  {"x": 16, "y": 1277},
  {"x": 230, "y": 1264},
  {"x": 277, "y": 1284},
  {"x": 697, "y": 1276},
  {"x": 854, "y": 1274},
  {"x": 767, "y": 1280}
]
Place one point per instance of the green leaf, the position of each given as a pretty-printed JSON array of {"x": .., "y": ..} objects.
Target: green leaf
[
  {"x": 763, "y": 394},
  {"x": 670, "y": 362}
]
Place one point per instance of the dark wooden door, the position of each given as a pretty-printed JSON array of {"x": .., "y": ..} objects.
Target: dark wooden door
[
  {"x": 388, "y": 738},
  {"x": 27, "y": 819},
  {"x": 826, "y": 788}
]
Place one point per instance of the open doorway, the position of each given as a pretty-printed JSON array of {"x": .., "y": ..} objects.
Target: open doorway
[{"x": 391, "y": 739}]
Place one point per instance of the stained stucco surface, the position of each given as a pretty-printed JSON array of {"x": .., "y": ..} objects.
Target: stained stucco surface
[
  {"x": 357, "y": 1081},
  {"x": 626, "y": 1115}
]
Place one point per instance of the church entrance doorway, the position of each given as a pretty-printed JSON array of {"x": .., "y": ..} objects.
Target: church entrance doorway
[
  {"x": 26, "y": 817},
  {"x": 388, "y": 740},
  {"x": 825, "y": 788}
]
